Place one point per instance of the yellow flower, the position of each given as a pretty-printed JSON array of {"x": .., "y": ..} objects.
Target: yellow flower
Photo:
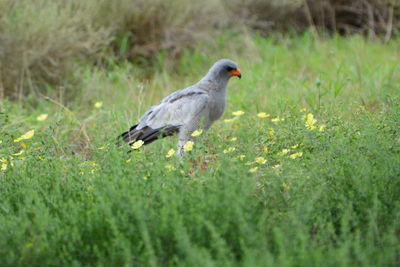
[
  {"x": 229, "y": 120},
  {"x": 197, "y": 133},
  {"x": 249, "y": 163},
  {"x": 42, "y": 117},
  {"x": 283, "y": 152},
  {"x": 18, "y": 153},
  {"x": 265, "y": 149},
  {"x": 188, "y": 146},
  {"x": 303, "y": 110},
  {"x": 169, "y": 167},
  {"x": 40, "y": 158},
  {"x": 98, "y": 104},
  {"x": 23, "y": 146},
  {"x": 241, "y": 157},
  {"x": 102, "y": 147},
  {"x": 271, "y": 132},
  {"x": 170, "y": 153},
  {"x": 137, "y": 144},
  {"x": 322, "y": 128},
  {"x": 229, "y": 150},
  {"x": 238, "y": 113},
  {"x": 233, "y": 139},
  {"x": 295, "y": 146},
  {"x": 3, "y": 164},
  {"x": 27, "y": 135},
  {"x": 277, "y": 119},
  {"x": 296, "y": 155},
  {"x": 253, "y": 169},
  {"x": 286, "y": 187},
  {"x": 310, "y": 121},
  {"x": 260, "y": 160},
  {"x": 263, "y": 115}
]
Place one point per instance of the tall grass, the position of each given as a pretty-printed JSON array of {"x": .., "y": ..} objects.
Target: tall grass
[
  {"x": 73, "y": 198},
  {"x": 43, "y": 41}
]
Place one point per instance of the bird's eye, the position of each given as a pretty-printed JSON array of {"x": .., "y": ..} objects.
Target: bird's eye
[{"x": 230, "y": 69}]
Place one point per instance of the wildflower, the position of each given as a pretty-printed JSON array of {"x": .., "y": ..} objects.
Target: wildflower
[
  {"x": 137, "y": 144},
  {"x": 271, "y": 132},
  {"x": 310, "y": 121},
  {"x": 40, "y": 158},
  {"x": 263, "y": 115},
  {"x": 170, "y": 153},
  {"x": 238, "y": 113},
  {"x": 27, "y": 135},
  {"x": 260, "y": 160},
  {"x": 322, "y": 128},
  {"x": 3, "y": 164},
  {"x": 252, "y": 170},
  {"x": 283, "y": 152},
  {"x": 241, "y": 157},
  {"x": 229, "y": 120},
  {"x": 286, "y": 187},
  {"x": 23, "y": 146},
  {"x": 188, "y": 146},
  {"x": 233, "y": 139},
  {"x": 249, "y": 163},
  {"x": 266, "y": 149},
  {"x": 42, "y": 117},
  {"x": 229, "y": 150},
  {"x": 277, "y": 119},
  {"x": 169, "y": 167},
  {"x": 296, "y": 155},
  {"x": 197, "y": 133},
  {"x": 18, "y": 153},
  {"x": 303, "y": 110},
  {"x": 295, "y": 146},
  {"x": 98, "y": 104}
]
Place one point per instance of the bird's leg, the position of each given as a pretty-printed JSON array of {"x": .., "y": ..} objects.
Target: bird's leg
[{"x": 183, "y": 138}]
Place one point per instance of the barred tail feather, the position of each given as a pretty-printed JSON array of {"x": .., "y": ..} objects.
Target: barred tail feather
[{"x": 148, "y": 134}]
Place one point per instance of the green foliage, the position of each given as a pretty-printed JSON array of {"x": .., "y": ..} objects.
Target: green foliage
[{"x": 327, "y": 194}]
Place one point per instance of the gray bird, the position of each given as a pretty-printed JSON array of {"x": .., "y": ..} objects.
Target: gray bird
[{"x": 186, "y": 110}]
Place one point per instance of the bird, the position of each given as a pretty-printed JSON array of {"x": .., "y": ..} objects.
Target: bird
[{"x": 186, "y": 110}]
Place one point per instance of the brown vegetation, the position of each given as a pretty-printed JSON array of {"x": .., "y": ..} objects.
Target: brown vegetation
[{"x": 43, "y": 41}]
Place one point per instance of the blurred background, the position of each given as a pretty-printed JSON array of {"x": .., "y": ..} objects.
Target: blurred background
[{"x": 44, "y": 42}]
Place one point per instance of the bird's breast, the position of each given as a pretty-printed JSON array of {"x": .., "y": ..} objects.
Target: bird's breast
[{"x": 217, "y": 106}]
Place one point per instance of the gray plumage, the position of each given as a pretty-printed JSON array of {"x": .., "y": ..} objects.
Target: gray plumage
[{"x": 186, "y": 110}]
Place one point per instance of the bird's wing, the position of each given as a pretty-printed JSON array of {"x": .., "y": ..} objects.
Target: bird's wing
[{"x": 182, "y": 108}]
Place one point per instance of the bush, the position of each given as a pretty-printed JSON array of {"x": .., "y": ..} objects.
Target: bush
[{"x": 42, "y": 41}]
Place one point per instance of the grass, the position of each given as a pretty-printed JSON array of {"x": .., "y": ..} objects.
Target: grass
[{"x": 74, "y": 198}]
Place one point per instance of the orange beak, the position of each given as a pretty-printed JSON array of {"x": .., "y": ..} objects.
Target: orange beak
[{"x": 236, "y": 73}]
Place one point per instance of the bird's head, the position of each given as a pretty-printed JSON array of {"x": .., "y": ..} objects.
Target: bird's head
[{"x": 225, "y": 69}]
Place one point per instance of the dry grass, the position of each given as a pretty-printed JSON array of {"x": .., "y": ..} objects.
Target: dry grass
[{"x": 42, "y": 41}]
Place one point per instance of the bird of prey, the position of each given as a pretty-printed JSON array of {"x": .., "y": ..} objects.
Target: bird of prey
[{"x": 186, "y": 110}]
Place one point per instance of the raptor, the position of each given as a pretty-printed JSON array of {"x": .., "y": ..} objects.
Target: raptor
[{"x": 186, "y": 110}]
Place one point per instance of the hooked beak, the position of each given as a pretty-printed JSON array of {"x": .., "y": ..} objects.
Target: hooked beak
[{"x": 236, "y": 73}]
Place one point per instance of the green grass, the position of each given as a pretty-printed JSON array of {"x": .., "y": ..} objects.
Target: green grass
[{"x": 67, "y": 202}]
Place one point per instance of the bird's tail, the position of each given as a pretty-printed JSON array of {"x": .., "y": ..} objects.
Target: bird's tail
[{"x": 148, "y": 134}]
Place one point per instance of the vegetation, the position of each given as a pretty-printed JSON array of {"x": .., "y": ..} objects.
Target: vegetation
[
  {"x": 43, "y": 42},
  {"x": 302, "y": 170}
]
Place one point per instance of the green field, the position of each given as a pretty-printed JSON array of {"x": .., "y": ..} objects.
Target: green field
[{"x": 314, "y": 182}]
